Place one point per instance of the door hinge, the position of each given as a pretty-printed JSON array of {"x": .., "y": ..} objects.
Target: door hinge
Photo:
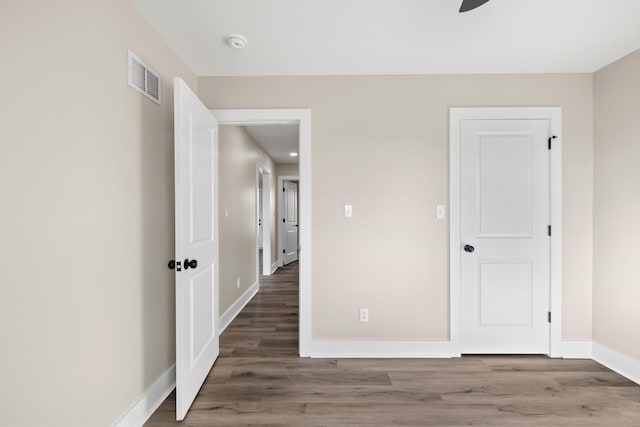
[
  {"x": 284, "y": 251},
  {"x": 549, "y": 316},
  {"x": 551, "y": 138},
  {"x": 283, "y": 189},
  {"x": 283, "y": 220},
  {"x": 549, "y": 230}
]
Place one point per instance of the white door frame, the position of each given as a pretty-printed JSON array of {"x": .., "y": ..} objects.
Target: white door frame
[
  {"x": 263, "y": 169},
  {"x": 301, "y": 117},
  {"x": 281, "y": 233},
  {"x": 554, "y": 116}
]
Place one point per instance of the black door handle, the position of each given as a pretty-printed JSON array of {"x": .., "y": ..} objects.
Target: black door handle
[
  {"x": 190, "y": 264},
  {"x": 469, "y": 248},
  {"x": 172, "y": 264}
]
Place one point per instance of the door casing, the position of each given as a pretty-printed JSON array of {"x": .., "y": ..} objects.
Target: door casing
[
  {"x": 265, "y": 171},
  {"x": 301, "y": 117},
  {"x": 554, "y": 116}
]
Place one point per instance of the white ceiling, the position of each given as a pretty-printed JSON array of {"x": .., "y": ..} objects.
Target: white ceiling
[
  {"x": 277, "y": 140},
  {"x": 332, "y": 37}
]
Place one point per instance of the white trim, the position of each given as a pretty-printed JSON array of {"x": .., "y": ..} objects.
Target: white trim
[
  {"x": 281, "y": 230},
  {"x": 274, "y": 267},
  {"x": 554, "y": 115},
  {"x": 555, "y": 166},
  {"x": 303, "y": 118},
  {"x": 231, "y": 313},
  {"x": 576, "y": 349},
  {"x": 263, "y": 169},
  {"x": 150, "y": 400},
  {"x": 621, "y": 363},
  {"x": 380, "y": 349}
]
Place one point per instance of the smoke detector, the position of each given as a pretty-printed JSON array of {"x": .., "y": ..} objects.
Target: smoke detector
[{"x": 236, "y": 41}]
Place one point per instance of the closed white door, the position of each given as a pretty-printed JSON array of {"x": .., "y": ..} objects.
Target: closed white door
[
  {"x": 290, "y": 221},
  {"x": 505, "y": 243},
  {"x": 196, "y": 158}
]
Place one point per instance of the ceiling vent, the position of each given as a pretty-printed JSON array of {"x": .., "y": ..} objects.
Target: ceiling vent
[{"x": 144, "y": 79}]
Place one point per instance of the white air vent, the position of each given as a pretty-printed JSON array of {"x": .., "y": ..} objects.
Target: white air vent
[{"x": 144, "y": 79}]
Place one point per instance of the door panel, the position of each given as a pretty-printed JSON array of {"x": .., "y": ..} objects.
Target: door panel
[
  {"x": 505, "y": 217},
  {"x": 505, "y": 184},
  {"x": 505, "y": 293},
  {"x": 197, "y": 347},
  {"x": 201, "y": 177},
  {"x": 201, "y": 302}
]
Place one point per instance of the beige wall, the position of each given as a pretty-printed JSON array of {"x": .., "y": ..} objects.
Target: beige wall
[
  {"x": 616, "y": 268},
  {"x": 86, "y": 177},
  {"x": 288, "y": 169},
  {"x": 238, "y": 154},
  {"x": 381, "y": 144}
]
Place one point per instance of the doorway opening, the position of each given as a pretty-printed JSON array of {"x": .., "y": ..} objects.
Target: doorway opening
[{"x": 302, "y": 119}]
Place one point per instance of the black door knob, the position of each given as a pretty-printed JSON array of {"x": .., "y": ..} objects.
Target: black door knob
[
  {"x": 172, "y": 264},
  {"x": 469, "y": 248},
  {"x": 190, "y": 264}
]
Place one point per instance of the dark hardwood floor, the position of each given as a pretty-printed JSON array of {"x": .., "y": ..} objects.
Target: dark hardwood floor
[{"x": 259, "y": 379}]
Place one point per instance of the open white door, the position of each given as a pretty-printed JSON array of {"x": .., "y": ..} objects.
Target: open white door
[
  {"x": 290, "y": 221},
  {"x": 196, "y": 193}
]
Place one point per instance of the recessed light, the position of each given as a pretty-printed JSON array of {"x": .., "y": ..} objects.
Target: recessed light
[
  {"x": 236, "y": 41},
  {"x": 293, "y": 154}
]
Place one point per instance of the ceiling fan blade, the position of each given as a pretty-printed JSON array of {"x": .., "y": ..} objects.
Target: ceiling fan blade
[{"x": 468, "y": 5}]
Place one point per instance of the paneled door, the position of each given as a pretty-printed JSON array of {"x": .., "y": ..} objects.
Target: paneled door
[
  {"x": 290, "y": 221},
  {"x": 196, "y": 188},
  {"x": 504, "y": 230}
]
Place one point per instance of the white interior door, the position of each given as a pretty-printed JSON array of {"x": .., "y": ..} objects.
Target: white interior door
[
  {"x": 196, "y": 192},
  {"x": 260, "y": 219},
  {"x": 290, "y": 222},
  {"x": 505, "y": 243}
]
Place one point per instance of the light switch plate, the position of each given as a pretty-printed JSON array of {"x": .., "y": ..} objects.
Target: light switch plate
[{"x": 348, "y": 211}]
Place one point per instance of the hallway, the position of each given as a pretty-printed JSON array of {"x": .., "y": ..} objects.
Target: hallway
[{"x": 259, "y": 379}]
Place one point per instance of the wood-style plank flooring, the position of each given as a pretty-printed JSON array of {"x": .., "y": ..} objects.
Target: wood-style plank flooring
[{"x": 259, "y": 379}]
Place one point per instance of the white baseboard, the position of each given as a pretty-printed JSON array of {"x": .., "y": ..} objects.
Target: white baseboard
[
  {"x": 274, "y": 267},
  {"x": 618, "y": 362},
  {"x": 150, "y": 400},
  {"x": 416, "y": 349},
  {"x": 231, "y": 313},
  {"x": 576, "y": 349},
  {"x": 380, "y": 349}
]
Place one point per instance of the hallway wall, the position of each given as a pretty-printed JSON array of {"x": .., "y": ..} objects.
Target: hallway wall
[{"x": 238, "y": 154}]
